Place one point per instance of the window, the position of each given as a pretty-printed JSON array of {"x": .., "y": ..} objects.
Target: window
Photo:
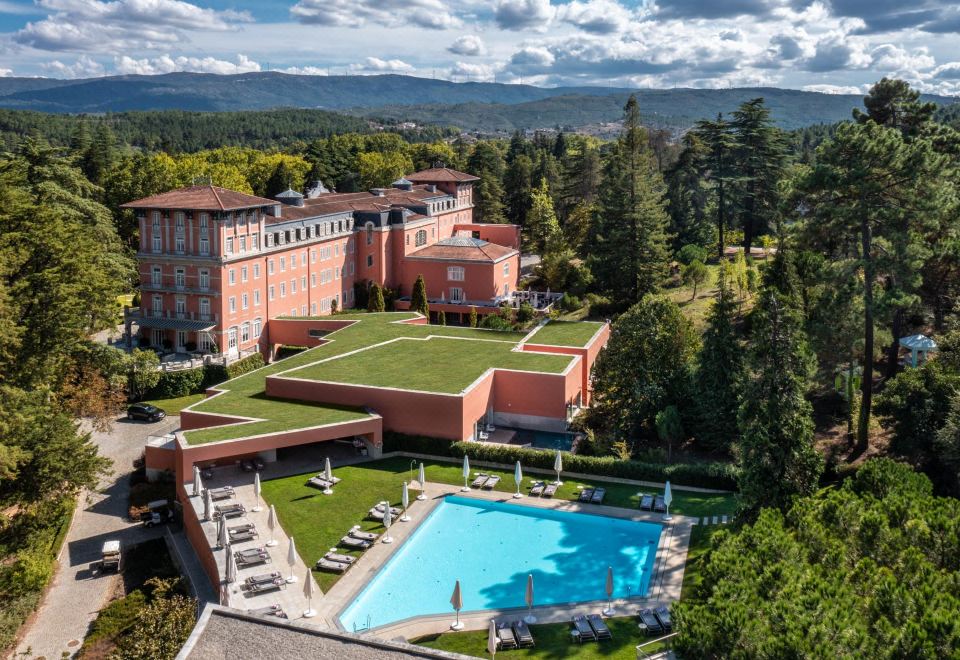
[
  {"x": 283, "y": 289},
  {"x": 506, "y": 290},
  {"x": 256, "y": 328},
  {"x": 369, "y": 233},
  {"x": 241, "y": 219},
  {"x": 156, "y": 220},
  {"x": 256, "y": 271},
  {"x": 245, "y": 332},
  {"x": 157, "y": 306},
  {"x": 255, "y": 242},
  {"x": 313, "y": 256},
  {"x": 204, "y": 279},
  {"x": 179, "y": 245},
  {"x": 243, "y": 274},
  {"x": 269, "y": 240},
  {"x": 293, "y": 262},
  {"x": 352, "y": 268},
  {"x": 243, "y": 244},
  {"x": 270, "y": 266},
  {"x": 303, "y": 283},
  {"x": 244, "y": 301},
  {"x": 313, "y": 308},
  {"x": 180, "y": 304},
  {"x": 313, "y": 279},
  {"x": 156, "y": 276},
  {"x": 180, "y": 278},
  {"x": 456, "y": 294},
  {"x": 408, "y": 239},
  {"x": 204, "y": 309},
  {"x": 421, "y": 238},
  {"x": 233, "y": 304},
  {"x": 293, "y": 286},
  {"x": 206, "y": 343},
  {"x": 157, "y": 245},
  {"x": 455, "y": 273},
  {"x": 229, "y": 249},
  {"x": 232, "y": 276},
  {"x": 283, "y": 264},
  {"x": 204, "y": 245},
  {"x": 204, "y": 223},
  {"x": 178, "y": 221},
  {"x": 256, "y": 297},
  {"x": 303, "y": 310},
  {"x": 506, "y": 269},
  {"x": 336, "y": 250},
  {"x": 232, "y": 338},
  {"x": 270, "y": 295},
  {"x": 369, "y": 261}
]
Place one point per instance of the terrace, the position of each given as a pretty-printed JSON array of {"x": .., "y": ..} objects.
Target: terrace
[{"x": 575, "y": 334}]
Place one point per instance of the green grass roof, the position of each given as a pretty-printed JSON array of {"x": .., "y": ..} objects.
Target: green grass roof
[
  {"x": 406, "y": 367},
  {"x": 565, "y": 333}
]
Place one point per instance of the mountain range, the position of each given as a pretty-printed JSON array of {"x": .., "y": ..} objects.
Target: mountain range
[{"x": 474, "y": 106}]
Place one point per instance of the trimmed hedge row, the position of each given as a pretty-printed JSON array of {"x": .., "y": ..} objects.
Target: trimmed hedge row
[
  {"x": 193, "y": 381},
  {"x": 704, "y": 475}
]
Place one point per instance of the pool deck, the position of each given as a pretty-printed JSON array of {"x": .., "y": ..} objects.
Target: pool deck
[{"x": 664, "y": 588}]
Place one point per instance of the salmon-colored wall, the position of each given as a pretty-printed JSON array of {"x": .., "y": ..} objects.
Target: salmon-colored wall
[
  {"x": 296, "y": 332},
  {"x": 194, "y": 531},
  {"x": 483, "y": 280},
  {"x": 507, "y": 235},
  {"x": 535, "y": 394},
  {"x": 588, "y": 356},
  {"x": 160, "y": 458}
]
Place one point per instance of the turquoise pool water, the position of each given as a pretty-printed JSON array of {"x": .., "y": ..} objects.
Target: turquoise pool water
[{"x": 491, "y": 547}]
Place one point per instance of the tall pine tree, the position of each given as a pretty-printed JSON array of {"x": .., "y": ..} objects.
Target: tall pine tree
[
  {"x": 719, "y": 143},
  {"x": 418, "y": 299}
]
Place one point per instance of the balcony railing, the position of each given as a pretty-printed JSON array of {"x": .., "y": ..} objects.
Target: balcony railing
[{"x": 191, "y": 316}]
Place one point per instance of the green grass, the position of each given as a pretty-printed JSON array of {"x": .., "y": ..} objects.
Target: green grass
[
  {"x": 440, "y": 364},
  {"x": 566, "y": 333},
  {"x": 553, "y": 640},
  {"x": 175, "y": 405},
  {"x": 245, "y": 395},
  {"x": 318, "y": 521},
  {"x": 696, "y": 557}
]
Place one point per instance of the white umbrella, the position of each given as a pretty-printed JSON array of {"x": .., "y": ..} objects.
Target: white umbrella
[
  {"x": 518, "y": 478},
  {"x": 466, "y": 472},
  {"x": 231, "y": 572},
  {"x": 292, "y": 561},
  {"x": 225, "y": 595},
  {"x": 558, "y": 466},
  {"x": 405, "y": 500},
  {"x": 327, "y": 475},
  {"x": 609, "y": 611},
  {"x": 492, "y": 639},
  {"x": 457, "y": 601},
  {"x": 207, "y": 505},
  {"x": 222, "y": 533},
  {"x": 529, "y": 599},
  {"x": 387, "y": 521},
  {"x": 256, "y": 491},
  {"x": 197, "y": 486},
  {"x": 667, "y": 499},
  {"x": 422, "y": 478},
  {"x": 272, "y": 525},
  {"x": 308, "y": 594}
]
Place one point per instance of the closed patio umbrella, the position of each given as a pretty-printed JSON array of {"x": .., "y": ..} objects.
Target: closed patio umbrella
[
  {"x": 328, "y": 475},
  {"x": 558, "y": 466},
  {"x": 529, "y": 599},
  {"x": 272, "y": 525},
  {"x": 492, "y": 639},
  {"x": 667, "y": 499},
  {"x": 457, "y": 601},
  {"x": 466, "y": 472},
  {"x": 292, "y": 561},
  {"x": 207, "y": 505},
  {"x": 225, "y": 595},
  {"x": 405, "y": 500},
  {"x": 308, "y": 594},
  {"x": 231, "y": 567},
  {"x": 518, "y": 478},
  {"x": 257, "y": 491},
  {"x": 197, "y": 486},
  {"x": 387, "y": 521},
  {"x": 422, "y": 478},
  {"x": 222, "y": 533},
  {"x": 609, "y": 611}
]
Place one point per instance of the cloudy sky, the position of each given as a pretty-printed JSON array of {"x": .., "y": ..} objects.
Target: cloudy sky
[{"x": 829, "y": 45}]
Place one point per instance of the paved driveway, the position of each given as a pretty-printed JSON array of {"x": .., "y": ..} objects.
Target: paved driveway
[{"x": 78, "y": 590}]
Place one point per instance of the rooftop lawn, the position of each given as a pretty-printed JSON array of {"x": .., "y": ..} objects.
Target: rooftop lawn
[
  {"x": 318, "y": 521},
  {"x": 245, "y": 395},
  {"x": 565, "y": 333},
  {"x": 439, "y": 364}
]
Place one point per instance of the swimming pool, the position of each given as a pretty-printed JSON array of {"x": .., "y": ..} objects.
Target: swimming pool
[{"x": 491, "y": 547}]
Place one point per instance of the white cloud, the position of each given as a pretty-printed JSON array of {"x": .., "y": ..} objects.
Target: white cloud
[
  {"x": 835, "y": 89},
  {"x": 304, "y": 70},
  {"x": 596, "y": 16},
  {"x": 473, "y": 72},
  {"x": 6, "y": 73},
  {"x": 84, "y": 67},
  {"x": 523, "y": 14},
  {"x": 431, "y": 14},
  {"x": 468, "y": 44},
  {"x": 169, "y": 64},
  {"x": 376, "y": 65}
]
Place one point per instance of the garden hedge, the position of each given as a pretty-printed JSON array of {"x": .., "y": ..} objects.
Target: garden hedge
[
  {"x": 193, "y": 381},
  {"x": 705, "y": 475}
]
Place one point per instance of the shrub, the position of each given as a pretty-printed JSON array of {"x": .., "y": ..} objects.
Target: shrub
[
  {"x": 495, "y": 322},
  {"x": 690, "y": 253},
  {"x": 214, "y": 374},
  {"x": 178, "y": 383},
  {"x": 570, "y": 303},
  {"x": 525, "y": 313},
  {"x": 706, "y": 474},
  {"x": 473, "y": 317},
  {"x": 116, "y": 618},
  {"x": 31, "y": 571}
]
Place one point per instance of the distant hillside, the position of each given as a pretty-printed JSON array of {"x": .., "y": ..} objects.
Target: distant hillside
[{"x": 488, "y": 107}]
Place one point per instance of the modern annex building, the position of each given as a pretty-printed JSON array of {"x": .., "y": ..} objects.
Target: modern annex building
[{"x": 217, "y": 266}]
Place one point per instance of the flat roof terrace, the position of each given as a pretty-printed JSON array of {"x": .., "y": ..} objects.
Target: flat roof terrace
[
  {"x": 566, "y": 333},
  {"x": 441, "y": 364}
]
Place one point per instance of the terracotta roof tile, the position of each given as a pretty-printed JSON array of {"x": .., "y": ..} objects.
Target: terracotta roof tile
[
  {"x": 206, "y": 198},
  {"x": 463, "y": 249}
]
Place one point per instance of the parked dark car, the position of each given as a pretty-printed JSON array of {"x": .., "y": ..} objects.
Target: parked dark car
[{"x": 146, "y": 412}]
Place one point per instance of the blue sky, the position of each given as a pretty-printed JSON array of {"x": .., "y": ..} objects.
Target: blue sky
[{"x": 828, "y": 45}]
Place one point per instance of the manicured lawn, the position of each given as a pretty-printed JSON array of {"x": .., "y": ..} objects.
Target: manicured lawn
[
  {"x": 553, "y": 640},
  {"x": 318, "y": 521},
  {"x": 696, "y": 555},
  {"x": 175, "y": 405},
  {"x": 439, "y": 364},
  {"x": 565, "y": 333},
  {"x": 245, "y": 395}
]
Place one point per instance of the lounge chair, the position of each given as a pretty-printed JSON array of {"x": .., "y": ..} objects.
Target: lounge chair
[
  {"x": 394, "y": 510},
  {"x": 550, "y": 490},
  {"x": 222, "y": 493},
  {"x": 351, "y": 542},
  {"x": 332, "y": 566},
  {"x": 659, "y": 505},
  {"x": 663, "y": 616},
  {"x": 263, "y": 577},
  {"x": 251, "y": 557},
  {"x": 522, "y": 633},
  {"x": 269, "y": 610},
  {"x": 537, "y": 489},
  {"x": 646, "y": 502},
  {"x": 336, "y": 556},
  {"x": 586, "y": 495},
  {"x": 584, "y": 631},
  {"x": 365, "y": 536},
  {"x": 598, "y": 496},
  {"x": 505, "y": 636},
  {"x": 229, "y": 511},
  {"x": 480, "y": 480},
  {"x": 491, "y": 483},
  {"x": 244, "y": 535},
  {"x": 242, "y": 527},
  {"x": 317, "y": 482},
  {"x": 648, "y": 619},
  {"x": 268, "y": 585},
  {"x": 332, "y": 480},
  {"x": 599, "y": 627}
]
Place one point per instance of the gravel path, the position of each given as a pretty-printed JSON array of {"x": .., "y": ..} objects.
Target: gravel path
[{"x": 78, "y": 590}]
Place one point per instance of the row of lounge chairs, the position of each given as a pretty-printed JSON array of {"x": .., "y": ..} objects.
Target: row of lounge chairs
[
  {"x": 485, "y": 481},
  {"x": 264, "y": 582},
  {"x": 235, "y": 510},
  {"x": 656, "y": 621},
  {"x": 513, "y": 635},
  {"x": 377, "y": 512},
  {"x": 252, "y": 557},
  {"x": 590, "y": 628},
  {"x": 243, "y": 532},
  {"x": 356, "y": 539},
  {"x": 592, "y": 495},
  {"x": 222, "y": 493},
  {"x": 653, "y": 503},
  {"x": 543, "y": 489}
]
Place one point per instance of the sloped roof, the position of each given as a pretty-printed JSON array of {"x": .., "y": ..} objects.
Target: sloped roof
[
  {"x": 462, "y": 248},
  {"x": 441, "y": 175},
  {"x": 206, "y": 198}
]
